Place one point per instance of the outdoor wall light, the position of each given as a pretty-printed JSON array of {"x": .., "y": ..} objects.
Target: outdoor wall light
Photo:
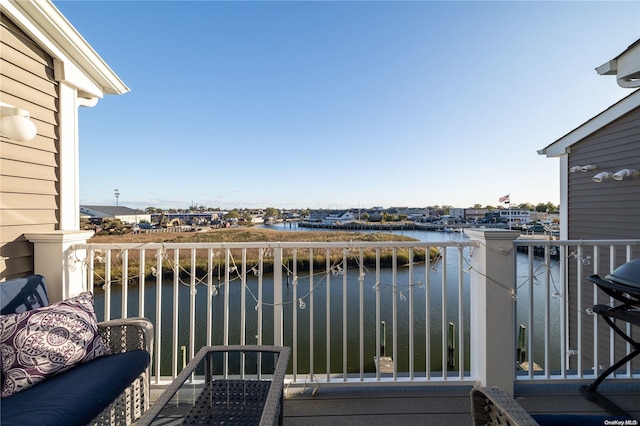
[
  {"x": 16, "y": 124},
  {"x": 583, "y": 168},
  {"x": 626, "y": 173},
  {"x": 602, "y": 176}
]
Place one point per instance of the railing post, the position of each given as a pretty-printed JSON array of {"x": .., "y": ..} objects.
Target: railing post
[
  {"x": 61, "y": 265},
  {"x": 492, "y": 307}
]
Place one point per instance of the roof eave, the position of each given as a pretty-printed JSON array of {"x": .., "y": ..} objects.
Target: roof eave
[
  {"x": 50, "y": 21},
  {"x": 615, "y": 111}
]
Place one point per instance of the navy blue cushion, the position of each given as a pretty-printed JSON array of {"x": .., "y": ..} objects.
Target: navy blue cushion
[
  {"x": 76, "y": 396},
  {"x": 23, "y": 294},
  {"x": 576, "y": 419}
]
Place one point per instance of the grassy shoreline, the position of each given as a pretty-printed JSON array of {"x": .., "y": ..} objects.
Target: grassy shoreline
[
  {"x": 247, "y": 235},
  {"x": 253, "y": 256}
]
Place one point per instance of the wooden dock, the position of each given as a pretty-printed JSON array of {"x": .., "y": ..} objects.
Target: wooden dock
[{"x": 395, "y": 226}]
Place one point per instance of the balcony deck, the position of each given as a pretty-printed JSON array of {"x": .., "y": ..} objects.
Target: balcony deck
[
  {"x": 442, "y": 405},
  {"x": 448, "y": 405}
]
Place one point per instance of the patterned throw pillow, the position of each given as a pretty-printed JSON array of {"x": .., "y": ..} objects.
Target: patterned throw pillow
[{"x": 41, "y": 343}]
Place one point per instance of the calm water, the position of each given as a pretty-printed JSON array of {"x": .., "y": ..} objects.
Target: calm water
[{"x": 329, "y": 289}]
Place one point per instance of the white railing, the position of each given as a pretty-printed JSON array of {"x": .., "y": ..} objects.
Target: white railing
[
  {"x": 338, "y": 312},
  {"x": 560, "y": 337}
]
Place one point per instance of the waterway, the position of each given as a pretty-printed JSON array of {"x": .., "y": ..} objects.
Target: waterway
[{"x": 322, "y": 299}]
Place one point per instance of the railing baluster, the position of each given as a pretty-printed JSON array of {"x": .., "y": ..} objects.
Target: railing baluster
[
  {"x": 125, "y": 283},
  {"x": 362, "y": 325},
  {"x": 260, "y": 276},
  {"x": 564, "y": 328},
  {"x": 461, "y": 346},
  {"x": 158, "y": 328},
  {"x": 444, "y": 319},
  {"x": 345, "y": 318},
  {"x": 596, "y": 270},
  {"x": 107, "y": 286},
  {"x": 209, "y": 295},
  {"x": 427, "y": 313},
  {"x": 294, "y": 312},
  {"x": 91, "y": 265},
  {"x": 628, "y": 329},
  {"x": 394, "y": 311},
  {"x": 378, "y": 317},
  {"x": 547, "y": 312},
  {"x": 311, "y": 337},
  {"x": 243, "y": 300},
  {"x": 141, "y": 283},
  {"x": 612, "y": 334},
  {"x": 176, "y": 310},
  {"x": 327, "y": 314},
  {"x": 278, "y": 338},
  {"x": 579, "y": 274},
  {"x": 192, "y": 306},
  {"x": 225, "y": 327},
  {"x": 530, "y": 328},
  {"x": 411, "y": 318}
]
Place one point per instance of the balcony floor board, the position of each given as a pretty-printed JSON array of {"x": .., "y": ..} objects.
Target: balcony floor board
[{"x": 440, "y": 405}]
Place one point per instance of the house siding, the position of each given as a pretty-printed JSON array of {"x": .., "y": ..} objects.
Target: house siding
[
  {"x": 29, "y": 173},
  {"x": 606, "y": 210}
]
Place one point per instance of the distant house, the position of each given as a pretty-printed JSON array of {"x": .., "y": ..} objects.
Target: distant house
[
  {"x": 125, "y": 214},
  {"x": 456, "y": 212},
  {"x": 375, "y": 216},
  {"x": 339, "y": 217},
  {"x": 316, "y": 216},
  {"x": 49, "y": 70},
  {"x": 257, "y": 219},
  {"x": 475, "y": 214},
  {"x": 515, "y": 216}
]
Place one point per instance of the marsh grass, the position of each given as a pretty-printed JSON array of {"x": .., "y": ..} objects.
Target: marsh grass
[{"x": 303, "y": 261}]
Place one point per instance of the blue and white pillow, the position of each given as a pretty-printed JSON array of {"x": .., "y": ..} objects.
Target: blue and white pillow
[{"x": 38, "y": 344}]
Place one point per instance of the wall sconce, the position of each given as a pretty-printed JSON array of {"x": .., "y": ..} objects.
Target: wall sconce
[
  {"x": 586, "y": 168},
  {"x": 626, "y": 173},
  {"x": 602, "y": 176},
  {"x": 16, "y": 124}
]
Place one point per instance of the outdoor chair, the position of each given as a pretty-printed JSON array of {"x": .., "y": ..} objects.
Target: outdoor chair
[{"x": 494, "y": 406}]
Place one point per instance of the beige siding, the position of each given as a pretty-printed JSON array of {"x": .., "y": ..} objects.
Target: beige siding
[
  {"x": 606, "y": 210},
  {"x": 28, "y": 170}
]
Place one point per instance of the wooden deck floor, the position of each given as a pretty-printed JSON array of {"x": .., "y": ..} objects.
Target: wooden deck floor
[{"x": 440, "y": 405}]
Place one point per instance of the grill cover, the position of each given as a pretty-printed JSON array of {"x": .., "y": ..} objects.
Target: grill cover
[{"x": 627, "y": 274}]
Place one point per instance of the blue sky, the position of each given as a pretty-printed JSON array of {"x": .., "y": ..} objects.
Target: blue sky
[{"x": 325, "y": 104}]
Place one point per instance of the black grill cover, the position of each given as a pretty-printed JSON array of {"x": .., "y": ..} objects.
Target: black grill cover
[
  {"x": 624, "y": 279},
  {"x": 627, "y": 274}
]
